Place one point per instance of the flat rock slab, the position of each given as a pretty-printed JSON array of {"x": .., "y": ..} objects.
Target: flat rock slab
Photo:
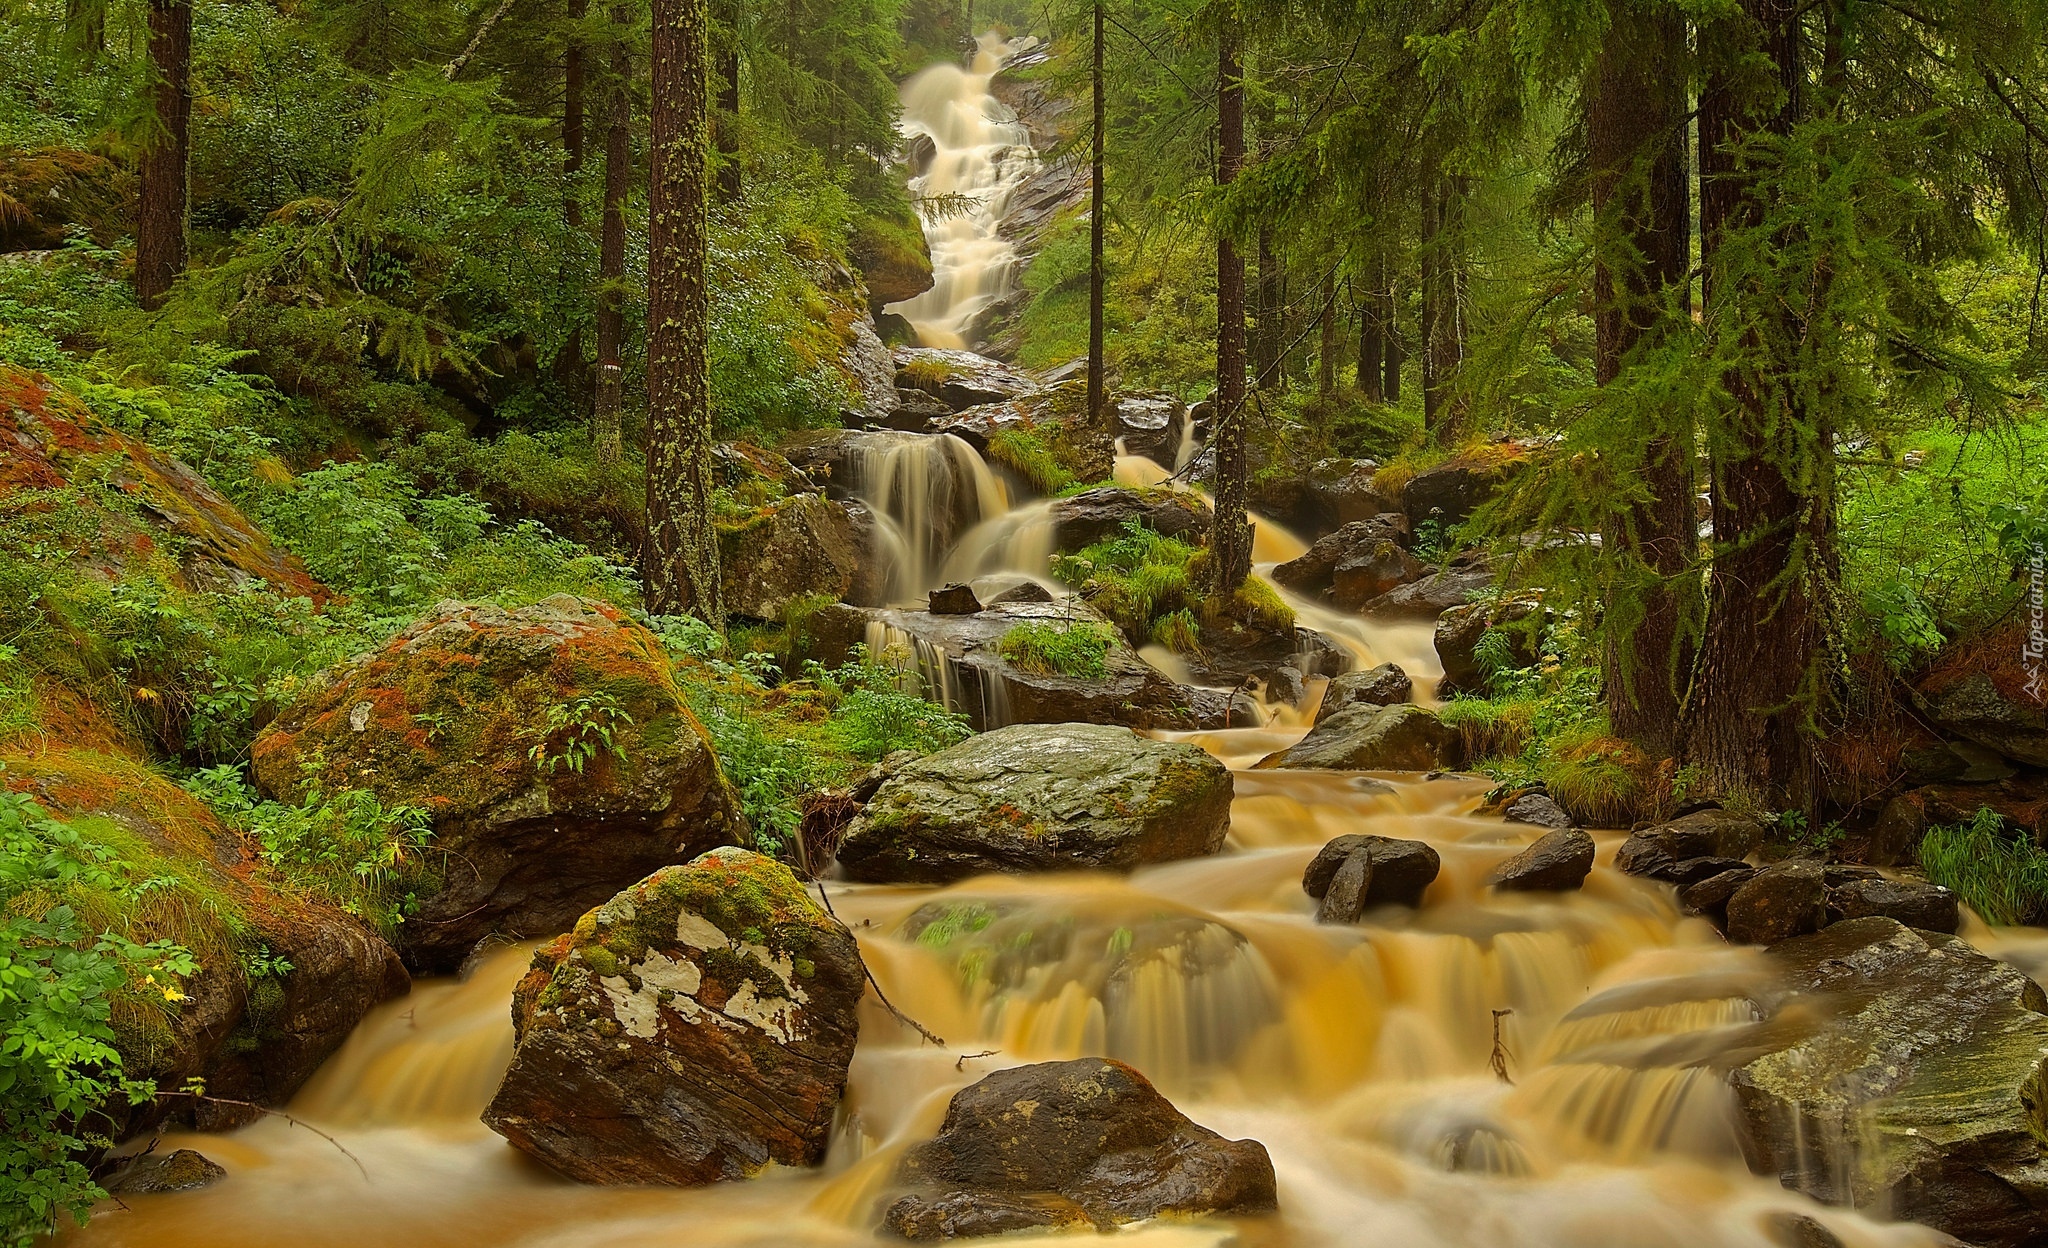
[{"x": 1041, "y": 797}]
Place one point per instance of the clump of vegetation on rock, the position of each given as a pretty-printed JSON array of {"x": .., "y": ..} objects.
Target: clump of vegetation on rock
[
  {"x": 2003, "y": 877},
  {"x": 1044, "y": 648}
]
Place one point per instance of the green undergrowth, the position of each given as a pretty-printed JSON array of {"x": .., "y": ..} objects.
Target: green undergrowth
[
  {"x": 780, "y": 738},
  {"x": 1152, "y": 588},
  {"x": 71, "y": 959},
  {"x": 1058, "y": 648},
  {"x": 2002, "y": 876},
  {"x": 1027, "y": 454}
]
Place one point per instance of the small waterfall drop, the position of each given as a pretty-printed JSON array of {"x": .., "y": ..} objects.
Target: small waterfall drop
[
  {"x": 925, "y": 491},
  {"x": 982, "y": 154}
]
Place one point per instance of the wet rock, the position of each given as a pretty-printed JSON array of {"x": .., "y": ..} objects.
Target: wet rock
[
  {"x": 915, "y": 411},
  {"x": 955, "y": 600},
  {"x": 1459, "y": 630},
  {"x": 2022, "y": 802},
  {"x": 1450, "y": 492},
  {"x": 1041, "y": 797},
  {"x": 1099, "y": 514},
  {"x": 1022, "y": 591},
  {"x": 1363, "y": 737},
  {"x": 1150, "y": 423},
  {"x": 1342, "y": 491},
  {"x": 991, "y": 691},
  {"x": 870, "y": 372},
  {"x": 1056, "y": 420},
  {"x": 182, "y": 1171},
  {"x": 1929, "y": 907},
  {"x": 694, "y": 1028},
  {"x": 1432, "y": 595},
  {"x": 1703, "y": 834},
  {"x": 1360, "y": 561},
  {"x": 1368, "y": 871},
  {"x": 1781, "y": 901},
  {"x": 1385, "y": 685},
  {"x": 1085, "y": 1143},
  {"x": 1538, "y": 809},
  {"x": 1946, "y": 762},
  {"x": 1691, "y": 871},
  {"x": 448, "y": 715},
  {"x": 1905, "y": 1073},
  {"x": 799, "y": 547},
  {"x": 1558, "y": 862},
  {"x": 1798, "y": 1230},
  {"x": 961, "y": 378},
  {"x": 1984, "y": 691},
  {"x": 1710, "y": 896},
  {"x": 889, "y": 250}
]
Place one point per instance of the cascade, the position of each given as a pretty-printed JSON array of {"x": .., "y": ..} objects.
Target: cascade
[
  {"x": 980, "y": 155},
  {"x": 924, "y": 492}
]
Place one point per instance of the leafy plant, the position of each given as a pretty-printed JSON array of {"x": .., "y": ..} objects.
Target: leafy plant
[
  {"x": 2003, "y": 877},
  {"x": 1046, "y": 648},
  {"x": 574, "y": 732}
]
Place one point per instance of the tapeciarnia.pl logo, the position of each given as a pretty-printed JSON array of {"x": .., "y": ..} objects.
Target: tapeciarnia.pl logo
[{"x": 2035, "y": 653}]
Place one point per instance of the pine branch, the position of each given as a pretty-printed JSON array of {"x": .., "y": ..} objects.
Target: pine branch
[{"x": 476, "y": 41}]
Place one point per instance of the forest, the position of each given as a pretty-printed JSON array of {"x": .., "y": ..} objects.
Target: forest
[{"x": 828, "y": 622}]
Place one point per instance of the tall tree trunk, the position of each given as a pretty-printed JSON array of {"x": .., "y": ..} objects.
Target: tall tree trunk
[
  {"x": 1772, "y": 477},
  {"x": 1636, "y": 119},
  {"x": 1443, "y": 323},
  {"x": 166, "y": 159},
  {"x": 1096, "y": 223},
  {"x": 1230, "y": 546},
  {"x": 85, "y": 29},
  {"x": 1269, "y": 330},
  {"x": 1326, "y": 352},
  {"x": 1372, "y": 334},
  {"x": 728, "y": 127},
  {"x": 681, "y": 572},
  {"x": 569, "y": 369},
  {"x": 1390, "y": 305},
  {"x": 611, "y": 257}
]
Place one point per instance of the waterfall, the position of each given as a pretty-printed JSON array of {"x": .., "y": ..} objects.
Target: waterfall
[
  {"x": 925, "y": 491},
  {"x": 981, "y": 153}
]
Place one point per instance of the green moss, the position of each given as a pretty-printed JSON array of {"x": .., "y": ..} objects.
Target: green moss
[
  {"x": 1045, "y": 648},
  {"x": 1029, "y": 455}
]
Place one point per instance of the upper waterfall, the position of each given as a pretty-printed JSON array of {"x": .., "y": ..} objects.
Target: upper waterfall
[{"x": 981, "y": 153}]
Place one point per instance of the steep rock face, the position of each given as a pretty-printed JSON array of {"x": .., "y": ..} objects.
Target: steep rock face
[
  {"x": 798, "y": 547},
  {"x": 1908, "y": 1073},
  {"x": 1041, "y": 797},
  {"x": 49, "y": 439},
  {"x": 1150, "y": 423},
  {"x": 479, "y": 714},
  {"x": 255, "y": 1041},
  {"x": 694, "y": 1028},
  {"x": 1364, "y": 737},
  {"x": 1085, "y": 1143},
  {"x": 870, "y": 372},
  {"x": 1986, "y": 691}
]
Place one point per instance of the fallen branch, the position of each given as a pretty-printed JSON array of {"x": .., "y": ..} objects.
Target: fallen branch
[
  {"x": 968, "y": 1057},
  {"x": 1500, "y": 1049},
  {"x": 274, "y": 1113},
  {"x": 930, "y": 1036}
]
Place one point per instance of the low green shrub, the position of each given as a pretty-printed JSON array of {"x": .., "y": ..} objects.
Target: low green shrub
[
  {"x": 1080, "y": 650},
  {"x": 2003, "y": 877},
  {"x": 1028, "y": 455}
]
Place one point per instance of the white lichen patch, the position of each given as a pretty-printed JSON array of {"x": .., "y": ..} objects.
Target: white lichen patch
[
  {"x": 777, "y": 1016},
  {"x": 637, "y": 1012},
  {"x": 774, "y": 1008}
]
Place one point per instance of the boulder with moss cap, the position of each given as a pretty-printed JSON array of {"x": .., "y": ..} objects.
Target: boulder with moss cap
[
  {"x": 1041, "y": 797},
  {"x": 694, "y": 1028},
  {"x": 549, "y": 743}
]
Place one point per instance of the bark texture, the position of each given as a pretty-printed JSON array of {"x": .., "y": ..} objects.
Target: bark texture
[
  {"x": 1636, "y": 118},
  {"x": 611, "y": 259},
  {"x": 1231, "y": 544},
  {"x": 166, "y": 160},
  {"x": 1443, "y": 315},
  {"x": 1096, "y": 358},
  {"x": 681, "y": 559}
]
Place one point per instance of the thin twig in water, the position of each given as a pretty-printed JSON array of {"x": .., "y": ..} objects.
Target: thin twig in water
[
  {"x": 968, "y": 1057},
  {"x": 1500, "y": 1048},
  {"x": 930, "y": 1036},
  {"x": 275, "y": 1113}
]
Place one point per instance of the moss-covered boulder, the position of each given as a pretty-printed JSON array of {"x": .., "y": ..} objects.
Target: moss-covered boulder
[
  {"x": 1041, "y": 797},
  {"x": 803, "y": 546},
  {"x": 145, "y": 502},
  {"x": 1364, "y": 737},
  {"x": 45, "y": 191},
  {"x": 1081, "y": 1144},
  {"x": 249, "y": 1035},
  {"x": 694, "y": 1028},
  {"x": 1987, "y": 691},
  {"x": 549, "y": 743},
  {"x": 1904, "y": 1071}
]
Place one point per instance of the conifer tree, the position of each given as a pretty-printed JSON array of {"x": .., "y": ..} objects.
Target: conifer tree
[
  {"x": 1097, "y": 211},
  {"x": 611, "y": 263},
  {"x": 166, "y": 153},
  {"x": 681, "y": 558},
  {"x": 1231, "y": 544}
]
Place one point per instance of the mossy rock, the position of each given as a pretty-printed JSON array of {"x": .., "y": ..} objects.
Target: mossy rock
[
  {"x": 549, "y": 743},
  {"x": 1041, "y": 797},
  {"x": 1365, "y": 737},
  {"x": 696, "y": 1027},
  {"x": 801, "y": 547}
]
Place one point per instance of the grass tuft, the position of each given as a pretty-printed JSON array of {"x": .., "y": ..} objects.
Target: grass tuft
[{"x": 2003, "y": 878}]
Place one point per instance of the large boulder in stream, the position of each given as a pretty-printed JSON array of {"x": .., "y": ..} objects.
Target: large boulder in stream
[
  {"x": 1435, "y": 593},
  {"x": 1364, "y": 737},
  {"x": 1037, "y": 433},
  {"x": 1558, "y": 862},
  {"x": 549, "y": 744},
  {"x": 1662, "y": 851},
  {"x": 1985, "y": 691},
  {"x": 960, "y": 658},
  {"x": 1095, "y": 515},
  {"x": 1353, "y": 874},
  {"x": 1083, "y": 1144},
  {"x": 1354, "y": 565},
  {"x": 1904, "y": 1072},
  {"x": 696, "y": 1027},
  {"x": 799, "y": 547},
  {"x": 1041, "y": 797},
  {"x": 961, "y": 379},
  {"x": 1385, "y": 685}
]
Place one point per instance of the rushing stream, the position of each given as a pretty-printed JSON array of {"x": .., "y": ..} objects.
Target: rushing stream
[{"x": 1490, "y": 1071}]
